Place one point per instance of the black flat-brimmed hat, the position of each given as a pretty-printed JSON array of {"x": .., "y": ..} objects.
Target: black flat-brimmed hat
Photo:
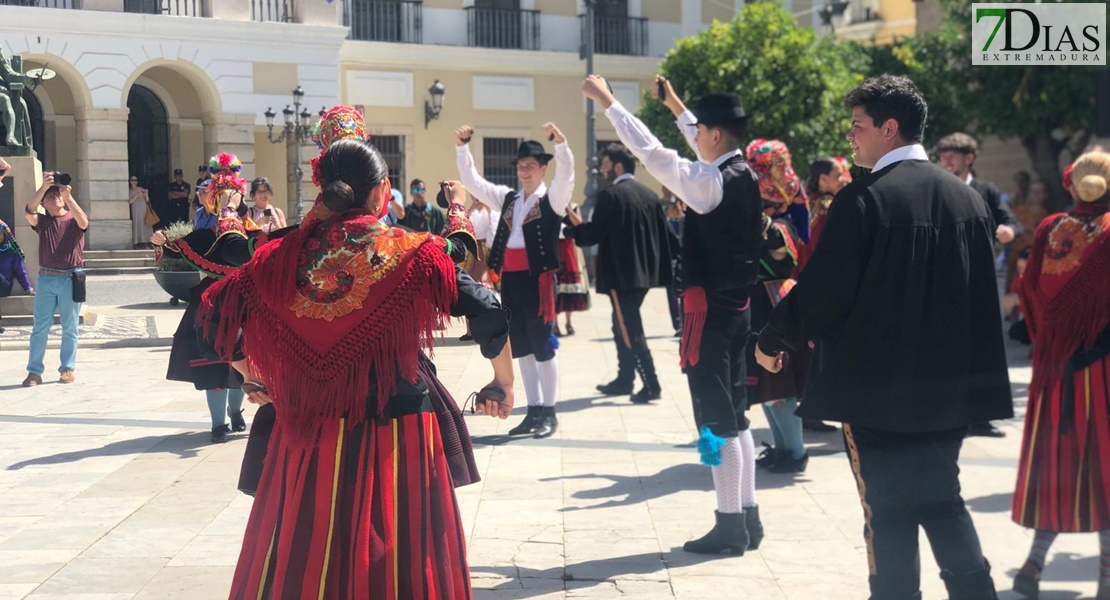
[
  {"x": 719, "y": 108},
  {"x": 532, "y": 149}
]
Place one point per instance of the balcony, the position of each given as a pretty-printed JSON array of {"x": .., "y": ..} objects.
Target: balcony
[
  {"x": 618, "y": 35},
  {"x": 502, "y": 28},
  {"x": 41, "y": 3},
  {"x": 178, "y": 8},
  {"x": 274, "y": 11},
  {"x": 385, "y": 20},
  {"x": 863, "y": 11}
]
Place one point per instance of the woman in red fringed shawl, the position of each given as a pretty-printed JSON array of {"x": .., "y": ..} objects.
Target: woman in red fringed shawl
[
  {"x": 215, "y": 252},
  {"x": 356, "y": 497},
  {"x": 1063, "y": 483},
  {"x": 785, "y": 216}
]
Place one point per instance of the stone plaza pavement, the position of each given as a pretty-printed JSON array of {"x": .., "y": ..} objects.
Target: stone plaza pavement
[{"x": 110, "y": 490}]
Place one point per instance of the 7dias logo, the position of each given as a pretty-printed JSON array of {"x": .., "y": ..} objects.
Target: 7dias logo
[{"x": 1038, "y": 34}]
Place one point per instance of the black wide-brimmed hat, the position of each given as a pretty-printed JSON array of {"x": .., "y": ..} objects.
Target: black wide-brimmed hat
[
  {"x": 532, "y": 149},
  {"x": 719, "y": 108}
]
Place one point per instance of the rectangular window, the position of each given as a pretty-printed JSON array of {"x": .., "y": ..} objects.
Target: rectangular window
[
  {"x": 392, "y": 148},
  {"x": 498, "y": 156}
]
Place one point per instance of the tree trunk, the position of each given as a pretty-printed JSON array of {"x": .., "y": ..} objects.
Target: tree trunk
[{"x": 1044, "y": 154}]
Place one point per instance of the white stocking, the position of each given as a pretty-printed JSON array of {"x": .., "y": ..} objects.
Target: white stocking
[
  {"x": 727, "y": 477},
  {"x": 549, "y": 379},
  {"x": 531, "y": 376},
  {"x": 747, "y": 481}
]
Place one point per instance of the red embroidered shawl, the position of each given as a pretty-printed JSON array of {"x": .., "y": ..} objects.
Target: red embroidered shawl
[
  {"x": 327, "y": 305},
  {"x": 1065, "y": 291}
]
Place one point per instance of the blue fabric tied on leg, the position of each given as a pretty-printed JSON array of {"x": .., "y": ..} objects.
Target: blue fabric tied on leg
[{"x": 709, "y": 447}]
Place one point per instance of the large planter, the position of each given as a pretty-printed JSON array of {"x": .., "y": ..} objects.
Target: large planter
[{"x": 177, "y": 283}]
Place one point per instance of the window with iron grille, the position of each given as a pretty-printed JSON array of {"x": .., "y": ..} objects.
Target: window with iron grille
[
  {"x": 392, "y": 148},
  {"x": 498, "y": 156}
]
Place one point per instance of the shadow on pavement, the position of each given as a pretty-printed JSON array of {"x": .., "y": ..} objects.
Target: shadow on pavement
[
  {"x": 184, "y": 445},
  {"x": 154, "y": 306},
  {"x": 994, "y": 503}
]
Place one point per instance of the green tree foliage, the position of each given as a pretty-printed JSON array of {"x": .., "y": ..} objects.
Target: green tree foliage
[
  {"x": 792, "y": 83},
  {"x": 1050, "y": 109}
]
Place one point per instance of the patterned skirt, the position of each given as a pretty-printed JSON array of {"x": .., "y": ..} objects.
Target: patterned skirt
[
  {"x": 369, "y": 512},
  {"x": 572, "y": 291},
  {"x": 1063, "y": 480}
]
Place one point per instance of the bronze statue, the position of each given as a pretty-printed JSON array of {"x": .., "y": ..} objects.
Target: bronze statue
[{"x": 13, "y": 109}]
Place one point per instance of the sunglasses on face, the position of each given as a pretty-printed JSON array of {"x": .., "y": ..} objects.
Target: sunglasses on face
[{"x": 418, "y": 190}]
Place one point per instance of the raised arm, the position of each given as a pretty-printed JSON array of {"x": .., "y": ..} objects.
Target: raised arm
[
  {"x": 490, "y": 194},
  {"x": 562, "y": 186},
  {"x": 78, "y": 213},
  {"x": 31, "y": 211}
]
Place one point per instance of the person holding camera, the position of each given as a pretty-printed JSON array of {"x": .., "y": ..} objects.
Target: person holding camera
[
  {"x": 268, "y": 218},
  {"x": 61, "y": 225}
]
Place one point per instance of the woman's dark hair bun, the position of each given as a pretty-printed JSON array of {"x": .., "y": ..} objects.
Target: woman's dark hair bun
[{"x": 338, "y": 196}]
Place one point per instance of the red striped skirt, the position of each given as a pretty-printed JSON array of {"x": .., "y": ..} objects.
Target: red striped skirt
[
  {"x": 366, "y": 513},
  {"x": 1063, "y": 480},
  {"x": 572, "y": 290}
]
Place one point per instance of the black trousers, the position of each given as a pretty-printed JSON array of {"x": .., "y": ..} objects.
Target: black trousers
[
  {"x": 528, "y": 333},
  {"x": 675, "y": 306},
  {"x": 628, "y": 330},
  {"x": 911, "y": 480},
  {"x": 717, "y": 381}
]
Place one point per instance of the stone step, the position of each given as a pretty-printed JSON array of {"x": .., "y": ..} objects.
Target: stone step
[
  {"x": 139, "y": 270},
  {"x": 18, "y": 311},
  {"x": 98, "y": 254}
]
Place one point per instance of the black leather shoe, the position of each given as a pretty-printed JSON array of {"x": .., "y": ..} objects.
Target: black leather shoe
[
  {"x": 616, "y": 388},
  {"x": 1028, "y": 580},
  {"x": 646, "y": 395},
  {"x": 238, "y": 423},
  {"x": 972, "y": 585},
  {"x": 767, "y": 457},
  {"x": 547, "y": 424},
  {"x": 985, "y": 429},
  {"x": 785, "y": 463},
  {"x": 528, "y": 425},
  {"x": 219, "y": 434},
  {"x": 754, "y": 527},
  {"x": 817, "y": 426},
  {"x": 729, "y": 535}
]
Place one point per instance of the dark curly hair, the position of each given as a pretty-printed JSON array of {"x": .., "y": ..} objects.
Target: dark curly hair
[{"x": 890, "y": 97}]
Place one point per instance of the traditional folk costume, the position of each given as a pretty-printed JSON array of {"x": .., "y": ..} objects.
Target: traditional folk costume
[
  {"x": 341, "y": 122},
  {"x": 356, "y": 498},
  {"x": 819, "y": 206},
  {"x": 633, "y": 255},
  {"x": 215, "y": 252},
  {"x": 572, "y": 287},
  {"x": 903, "y": 367},
  {"x": 1063, "y": 483},
  {"x": 525, "y": 253},
  {"x": 785, "y": 214},
  {"x": 720, "y": 254}
]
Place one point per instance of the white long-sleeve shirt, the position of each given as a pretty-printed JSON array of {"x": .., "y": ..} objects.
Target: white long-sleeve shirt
[
  {"x": 698, "y": 183},
  {"x": 493, "y": 195}
]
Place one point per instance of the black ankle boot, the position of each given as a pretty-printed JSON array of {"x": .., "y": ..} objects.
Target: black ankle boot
[
  {"x": 754, "y": 527},
  {"x": 238, "y": 423},
  {"x": 645, "y": 366},
  {"x": 785, "y": 463},
  {"x": 972, "y": 585},
  {"x": 219, "y": 434},
  {"x": 728, "y": 535},
  {"x": 617, "y": 387},
  {"x": 547, "y": 422},
  {"x": 528, "y": 425}
]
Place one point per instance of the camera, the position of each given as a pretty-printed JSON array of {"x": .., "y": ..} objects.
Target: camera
[
  {"x": 269, "y": 212},
  {"x": 62, "y": 178}
]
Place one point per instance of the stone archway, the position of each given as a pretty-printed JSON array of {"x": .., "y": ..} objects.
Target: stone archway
[{"x": 148, "y": 144}]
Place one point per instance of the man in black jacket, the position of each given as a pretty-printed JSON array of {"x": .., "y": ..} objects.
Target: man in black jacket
[
  {"x": 901, "y": 300},
  {"x": 956, "y": 153},
  {"x": 633, "y": 256}
]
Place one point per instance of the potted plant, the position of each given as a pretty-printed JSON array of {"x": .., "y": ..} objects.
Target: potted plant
[{"x": 174, "y": 274}]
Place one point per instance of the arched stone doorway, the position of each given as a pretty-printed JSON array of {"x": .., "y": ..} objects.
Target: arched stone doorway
[{"x": 148, "y": 144}]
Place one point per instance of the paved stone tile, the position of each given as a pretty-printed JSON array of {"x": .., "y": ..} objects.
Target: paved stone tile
[{"x": 101, "y": 499}]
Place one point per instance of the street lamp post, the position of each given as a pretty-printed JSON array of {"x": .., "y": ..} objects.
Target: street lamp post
[
  {"x": 297, "y": 130},
  {"x": 588, "y": 55}
]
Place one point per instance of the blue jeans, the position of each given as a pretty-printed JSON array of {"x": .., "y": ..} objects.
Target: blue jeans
[{"x": 54, "y": 292}]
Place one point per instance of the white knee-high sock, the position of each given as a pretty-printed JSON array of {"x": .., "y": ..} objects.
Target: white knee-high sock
[
  {"x": 727, "y": 477},
  {"x": 549, "y": 380},
  {"x": 747, "y": 479},
  {"x": 531, "y": 376}
]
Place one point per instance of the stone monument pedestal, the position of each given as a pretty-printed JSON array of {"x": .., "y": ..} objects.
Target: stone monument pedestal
[{"x": 19, "y": 188}]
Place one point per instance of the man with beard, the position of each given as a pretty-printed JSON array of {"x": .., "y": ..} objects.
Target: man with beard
[{"x": 633, "y": 256}]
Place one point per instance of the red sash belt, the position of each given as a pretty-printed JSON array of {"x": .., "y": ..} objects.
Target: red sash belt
[
  {"x": 516, "y": 260},
  {"x": 695, "y": 307}
]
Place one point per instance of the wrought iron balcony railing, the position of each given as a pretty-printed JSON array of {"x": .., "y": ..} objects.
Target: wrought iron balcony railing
[
  {"x": 502, "y": 28},
  {"x": 618, "y": 35},
  {"x": 41, "y": 3},
  {"x": 385, "y": 20},
  {"x": 178, "y": 8},
  {"x": 278, "y": 11}
]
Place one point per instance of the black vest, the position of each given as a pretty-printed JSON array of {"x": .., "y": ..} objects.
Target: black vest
[
  {"x": 721, "y": 249},
  {"x": 541, "y": 236}
]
